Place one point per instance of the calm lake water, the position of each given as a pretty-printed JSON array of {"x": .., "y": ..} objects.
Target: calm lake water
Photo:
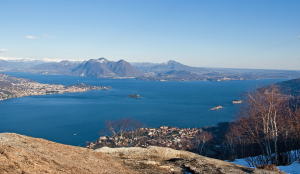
[{"x": 74, "y": 118}]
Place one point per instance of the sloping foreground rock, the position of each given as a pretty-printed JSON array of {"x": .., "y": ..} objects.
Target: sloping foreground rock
[
  {"x": 26, "y": 155},
  {"x": 165, "y": 160}
]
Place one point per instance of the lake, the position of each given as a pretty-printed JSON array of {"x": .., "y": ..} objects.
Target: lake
[{"x": 74, "y": 118}]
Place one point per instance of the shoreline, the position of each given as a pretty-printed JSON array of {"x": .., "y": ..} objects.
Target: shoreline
[
  {"x": 13, "y": 87},
  {"x": 154, "y": 78},
  {"x": 100, "y": 88}
]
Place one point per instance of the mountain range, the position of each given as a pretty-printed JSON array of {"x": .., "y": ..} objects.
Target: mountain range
[
  {"x": 20, "y": 64},
  {"x": 63, "y": 67},
  {"x": 98, "y": 68},
  {"x": 168, "y": 71}
]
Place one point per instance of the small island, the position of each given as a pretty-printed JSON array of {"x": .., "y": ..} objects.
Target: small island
[
  {"x": 216, "y": 108},
  {"x": 134, "y": 96},
  {"x": 237, "y": 101}
]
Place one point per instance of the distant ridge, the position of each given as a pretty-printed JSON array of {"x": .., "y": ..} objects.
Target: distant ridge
[
  {"x": 4, "y": 64},
  {"x": 20, "y": 64},
  {"x": 63, "y": 67},
  {"x": 180, "y": 73},
  {"x": 175, "y": 71},
  {"x": 173, "y": 65},
  {"x": 290, "y": 87}
]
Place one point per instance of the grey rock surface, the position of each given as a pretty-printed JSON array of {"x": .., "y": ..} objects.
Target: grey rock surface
[{"x": 166, "y": 160}]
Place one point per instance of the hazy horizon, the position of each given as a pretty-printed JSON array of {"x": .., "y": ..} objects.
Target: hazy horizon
[{"x": 217, "y": 34}]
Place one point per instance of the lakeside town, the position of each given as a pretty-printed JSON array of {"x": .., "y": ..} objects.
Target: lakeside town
[
  {"x": 163, "y": 136},
  {"x": 206, "y": 141},
  {"x": 13, "y": 87}
]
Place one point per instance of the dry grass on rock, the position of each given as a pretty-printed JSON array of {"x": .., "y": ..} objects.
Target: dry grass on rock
[
  {"x": 22, "y": 154},
  {"x": 26, "y": 155}
]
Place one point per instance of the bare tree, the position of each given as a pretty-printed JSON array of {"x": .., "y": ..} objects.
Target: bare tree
[
  {"x": 118, "y": 128},
  {"x": 294, "y": 124},
  {"x": 231, "y": 141},
  {"x": 201, "y": 139},
  {"x": 135, "y": 130},
  {"x": 262, "y": 119}
]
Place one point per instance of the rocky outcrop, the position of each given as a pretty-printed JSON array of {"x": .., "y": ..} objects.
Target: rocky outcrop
[
  {"x": 165, "y": 160},
  {"x": 24, "y": 155}
]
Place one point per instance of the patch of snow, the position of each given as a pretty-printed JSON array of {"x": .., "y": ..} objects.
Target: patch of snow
[
  {"x": 15, "y": 59},
  {"x": 240, "y": 162},
  {"x": 51, "y": 60},
  {"x": 59, "y": 60},
  {"x": 102, "y": 60},
  {"x": 141, "y": 62},
  {"x": 294, "y": 168},
  {"x": 168, "y": 62}
]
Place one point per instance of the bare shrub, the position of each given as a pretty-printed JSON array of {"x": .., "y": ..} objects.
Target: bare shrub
[
  {"x": 260, "y": 160},
  {"x": 268, "y": 167},
  {"x": 231, "y": 159}
]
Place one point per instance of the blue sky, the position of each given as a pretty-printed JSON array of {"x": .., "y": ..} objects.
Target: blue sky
[{"x": 232, "y": 33}]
